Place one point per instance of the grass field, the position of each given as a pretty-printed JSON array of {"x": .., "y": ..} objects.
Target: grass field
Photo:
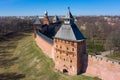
[
  {"x": 95, "y": 47},
  {"x": 21, "y": 59},
  {"x": 114, "y": 56}
]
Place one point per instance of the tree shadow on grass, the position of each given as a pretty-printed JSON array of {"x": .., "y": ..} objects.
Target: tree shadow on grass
[
  {"x": 13, "y": 36},
  {"x": 11, "y": 76},
  {"x": 6, "y": 63}
]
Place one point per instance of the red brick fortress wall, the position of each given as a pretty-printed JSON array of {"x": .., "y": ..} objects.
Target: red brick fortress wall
[
  {"x": 103, "y": 68},
  {"x": 44, "y": 43},
  {"x": 96, "y": 66}
]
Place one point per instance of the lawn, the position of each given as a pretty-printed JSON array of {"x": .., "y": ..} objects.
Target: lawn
[
  {"x": 114, "y": 56},
  {"x": 22, "y": 59},
  {"x": 95, "y": 46}
]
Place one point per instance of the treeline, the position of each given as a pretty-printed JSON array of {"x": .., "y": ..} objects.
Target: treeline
[
  {"x": 98, "y": 28},
  {"x": 14, "y": 24},
  {"x": 95, "y": 28}
]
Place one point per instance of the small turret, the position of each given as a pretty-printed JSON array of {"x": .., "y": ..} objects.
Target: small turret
[
  {"x": 37, "y": 21},
  {"x": 69, "y": 19},
  {"x": 55, "y": 19},
  {"x": 37, "y": 24},
  {"x": 46, "y": 19},
  {"x": 46, "y": 13}
]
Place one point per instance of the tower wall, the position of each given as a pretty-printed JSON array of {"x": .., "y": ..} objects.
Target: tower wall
[
  {"x": 68, "y": 56},
  {"x": 46, "y": 20}
]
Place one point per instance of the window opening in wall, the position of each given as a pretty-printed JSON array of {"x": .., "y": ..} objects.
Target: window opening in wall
[
  {"x": 60, "y": 47},
  {"x": 65, "y": 71},
  {"x": 72, "y": 49},
  {"x": 67, "y": 48},
  {"x": 70, "y": 61},
  {"x": 56, "y": 45},
  {"x": 66, "y": 54}
]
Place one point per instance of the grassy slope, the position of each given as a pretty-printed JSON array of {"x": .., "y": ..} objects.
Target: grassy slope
[
  {"x": 30, "y": 63},
  {"x": 97, "y": 47},
  {"x": 114, "y": 56}
]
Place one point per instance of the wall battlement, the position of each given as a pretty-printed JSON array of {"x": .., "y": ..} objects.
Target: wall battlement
[
  {"x": 104, "y": 68},
  {"x": 107, "y": 60}
]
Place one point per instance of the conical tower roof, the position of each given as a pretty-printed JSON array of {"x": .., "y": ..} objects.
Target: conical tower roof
[
  {"x": 56, "y": 18},
  {"x": 46, "y": 13},
  {"x": 37, "y": 21},
  {"x": 69, "y": 15},
  {"x": 69, "y": 31}
]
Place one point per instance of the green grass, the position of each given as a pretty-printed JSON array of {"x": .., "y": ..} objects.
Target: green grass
[
  {"x": 97, "y": 47},
  {"x": 32, "y": 63},
  {"x": 114, "y": 56}
]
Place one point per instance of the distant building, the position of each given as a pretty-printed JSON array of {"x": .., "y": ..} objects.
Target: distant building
[
  {"x": 46, "y": 19},
  {"x": 47, "y": 27}
]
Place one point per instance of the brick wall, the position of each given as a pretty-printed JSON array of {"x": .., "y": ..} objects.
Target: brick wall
[
  {"x": 96, "y": 66},
  {"x": 45, "y": 45},
  {"x": 103, "y": 68}
]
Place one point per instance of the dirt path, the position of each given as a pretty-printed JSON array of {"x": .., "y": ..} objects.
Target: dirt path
[{"x": 106, "y": 53}]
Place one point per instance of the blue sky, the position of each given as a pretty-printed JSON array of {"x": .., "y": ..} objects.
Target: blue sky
[{"x": 59, "y": 7}]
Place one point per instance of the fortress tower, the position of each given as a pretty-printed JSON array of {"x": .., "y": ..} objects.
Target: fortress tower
[
  {"x": 46, "y": 19},
  {"x": 37, "y": 25},
  {"x": 69, "y": 47},
  {"x": 55, "y": 19}
]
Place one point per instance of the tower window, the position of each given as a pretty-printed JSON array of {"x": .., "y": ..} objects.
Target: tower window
[
  {"x": 72, "y": 49},
  {"x": 67, "y": 48},
  {"x": 60, "y": 47},
  {"x": 67, "y": 54},
  {"x": 70, "y": 61},
  {"x": 56, "y": 45}
]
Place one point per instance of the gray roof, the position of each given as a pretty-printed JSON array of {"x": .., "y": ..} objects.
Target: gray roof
[
  {"x": 69, "y": 15},
  {"x": 69, "y": 32},
  {"x": 37, "y": 21}
]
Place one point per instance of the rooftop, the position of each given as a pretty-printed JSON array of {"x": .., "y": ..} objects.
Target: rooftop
[{"x": 69, "y": 30}]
